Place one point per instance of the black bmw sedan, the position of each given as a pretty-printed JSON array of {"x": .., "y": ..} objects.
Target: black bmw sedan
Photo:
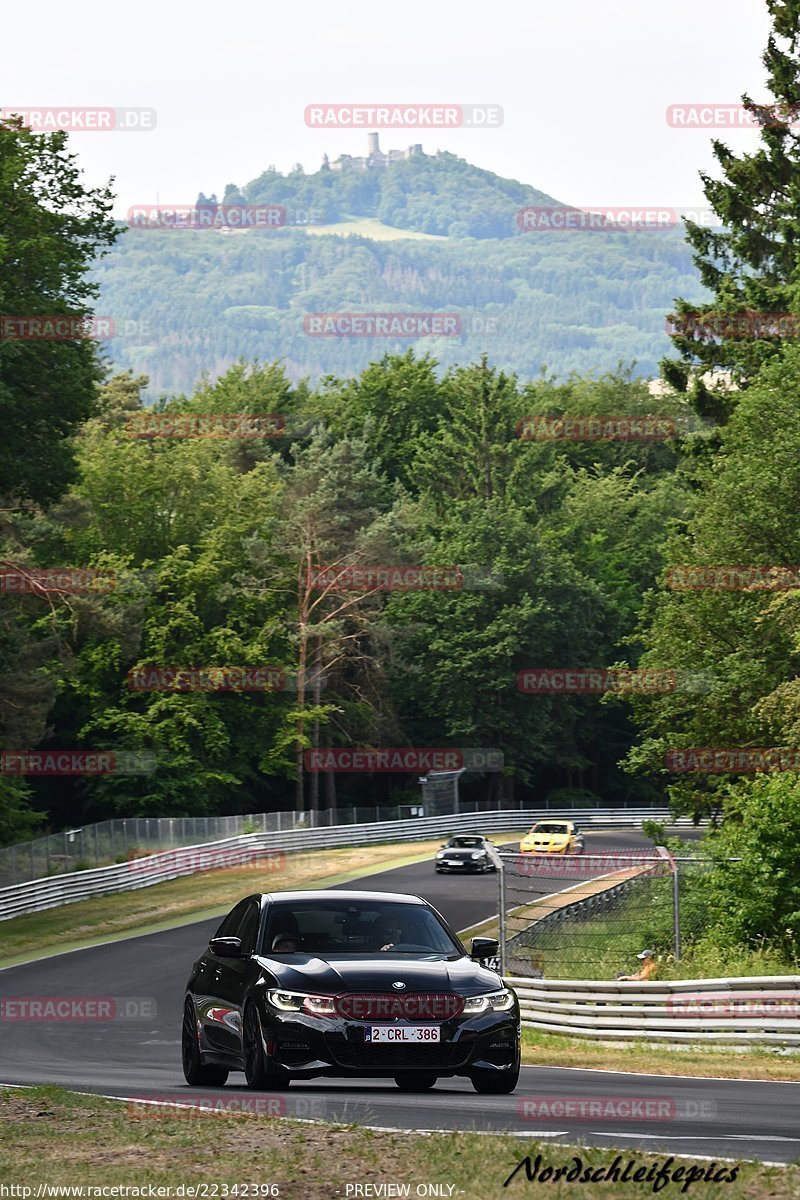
[{"x": 296, "y": 985}]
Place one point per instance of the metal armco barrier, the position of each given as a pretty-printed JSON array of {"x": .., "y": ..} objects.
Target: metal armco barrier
[
  {"x": 38, "y": 894},
  {"x": 741, "y": 1011}
]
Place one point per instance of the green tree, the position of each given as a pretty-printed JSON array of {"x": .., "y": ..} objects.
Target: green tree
[
  {"x": 52, "y": 229},
  {"x": 751, "y": 264},
  {"x": 757, "y": 898},
  {"x": 743, "y": 645}
]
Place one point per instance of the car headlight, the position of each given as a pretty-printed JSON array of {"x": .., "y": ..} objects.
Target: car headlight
[
  {"x": 489, "y": 1002},
  {"x": 478, "y": 854},
  {"x": 440, "y": 854},
  {"x": 315, "y": 1006}
]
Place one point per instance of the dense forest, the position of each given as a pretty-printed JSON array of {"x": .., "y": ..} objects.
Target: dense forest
[
  {"x": 209, "y": 537},
  {"x": 188, "y": 301}
]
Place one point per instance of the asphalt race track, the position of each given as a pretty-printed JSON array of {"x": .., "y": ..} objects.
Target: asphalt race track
[{"x": 140, "y": 1058}]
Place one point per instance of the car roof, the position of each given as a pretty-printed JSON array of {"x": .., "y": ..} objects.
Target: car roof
[{"x": 341, "y": 895}]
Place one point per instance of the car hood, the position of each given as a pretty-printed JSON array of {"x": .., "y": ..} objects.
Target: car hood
[{"x": 308, "y": 973}]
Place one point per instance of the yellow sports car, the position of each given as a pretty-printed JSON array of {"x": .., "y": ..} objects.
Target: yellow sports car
[{"x": 553, "y": 837}]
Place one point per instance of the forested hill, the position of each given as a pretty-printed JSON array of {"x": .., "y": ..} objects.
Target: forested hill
[
  {"x": 438, "y": 194},
  {"x": 187, "y": 302}
]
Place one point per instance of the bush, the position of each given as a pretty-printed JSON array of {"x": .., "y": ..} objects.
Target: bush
[{"x": 755, "y": 902}]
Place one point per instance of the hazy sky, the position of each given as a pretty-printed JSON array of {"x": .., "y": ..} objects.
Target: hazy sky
[{"x": 584, "y": 85}]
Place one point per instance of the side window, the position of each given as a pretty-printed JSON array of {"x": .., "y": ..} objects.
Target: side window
[
  {"x": 248, "y": 929},
  {"x": 231, "y": 923}
]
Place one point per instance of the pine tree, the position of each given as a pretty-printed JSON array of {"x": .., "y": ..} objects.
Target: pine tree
[{"x": 751, "y": 264}]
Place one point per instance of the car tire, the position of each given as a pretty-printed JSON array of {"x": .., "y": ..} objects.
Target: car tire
[
  {"x": 195, "y": 1071},
  {"x": 258, "y": 1074},
  {"x": 496, "y": 1083},
  {"x": 415, "y": 1083}
]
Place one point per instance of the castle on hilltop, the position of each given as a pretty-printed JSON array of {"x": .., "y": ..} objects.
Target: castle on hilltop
[{"x": 374, "y": 160}]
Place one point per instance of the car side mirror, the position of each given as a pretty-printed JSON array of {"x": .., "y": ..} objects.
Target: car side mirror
[
  {"x": 226, "y": 947},
  {"x": 483, "y": 947}
]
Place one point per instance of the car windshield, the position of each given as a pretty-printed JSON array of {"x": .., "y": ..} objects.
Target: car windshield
[
  {"x": 355, "y": 927},
  {"x": 549, "y": 828},
  {"x": 465, "y": 843}
]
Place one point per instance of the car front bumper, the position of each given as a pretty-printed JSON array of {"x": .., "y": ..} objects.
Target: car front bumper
[
  {"x": 463, "y": 867},
  {"x": 306, "y": 1047}
]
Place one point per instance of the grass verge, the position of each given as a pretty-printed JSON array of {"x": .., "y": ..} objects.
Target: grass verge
[
  {"x": 45, "y": 1141},
  {"x": 192, "y": 898},
  {"x": 548, "y": 1050}
]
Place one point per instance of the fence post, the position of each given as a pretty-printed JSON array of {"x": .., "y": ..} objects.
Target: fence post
[
  {"x": 501, "y": 896},
  {"x": 664, "y": 853},
  {"x": 676, "y": 909}
]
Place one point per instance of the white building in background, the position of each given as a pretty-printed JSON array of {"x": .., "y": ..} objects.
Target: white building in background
[{"x": 375, "y": 159}]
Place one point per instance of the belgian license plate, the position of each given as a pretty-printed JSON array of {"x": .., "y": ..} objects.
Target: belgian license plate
[{"x": 402, "y": 1033}]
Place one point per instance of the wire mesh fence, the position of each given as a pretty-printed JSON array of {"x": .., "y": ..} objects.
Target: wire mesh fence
[
  {"x": 117, "y": 840},
  {"x": 588, "y": 915},
  {"x": 107, "y": 842}
]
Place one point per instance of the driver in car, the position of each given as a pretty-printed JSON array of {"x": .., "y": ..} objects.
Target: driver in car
[{"x": 409, "y": 934}]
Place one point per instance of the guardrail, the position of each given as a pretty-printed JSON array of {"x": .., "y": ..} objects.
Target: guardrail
[
  {"x": 741, "y": 1011},
  {"x": 106, "y": 842},
  {"x": 53, "y": 891}
]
